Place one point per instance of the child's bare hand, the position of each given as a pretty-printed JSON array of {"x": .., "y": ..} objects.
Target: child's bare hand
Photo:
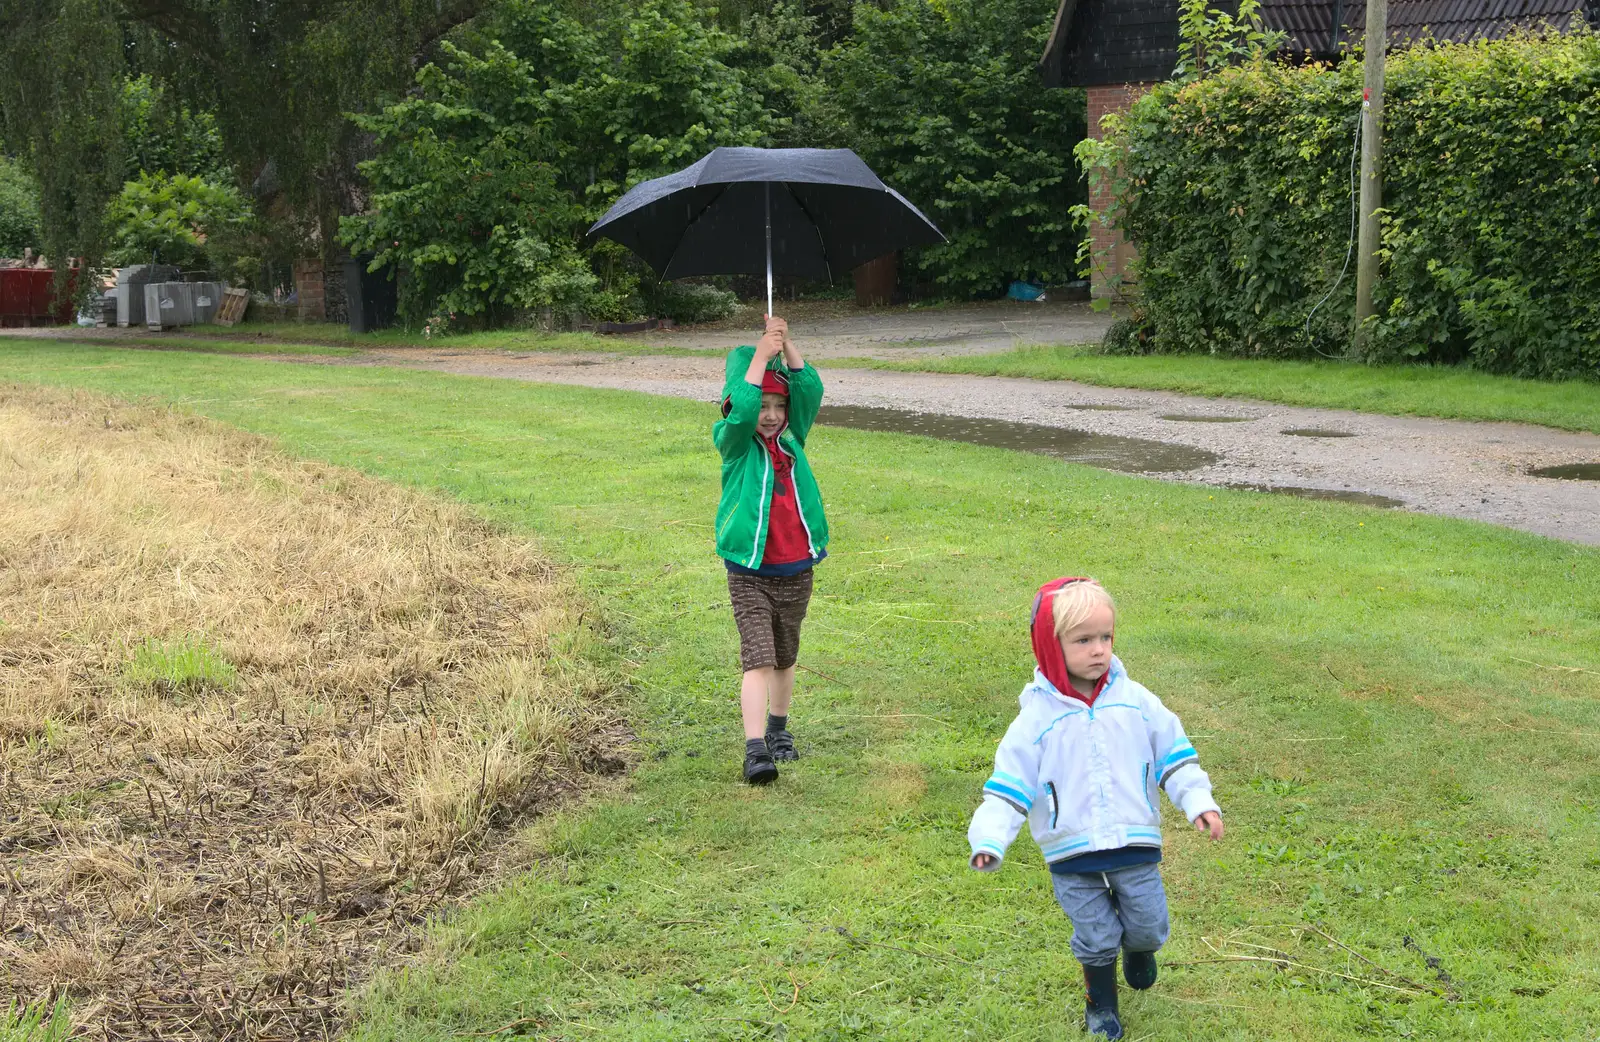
[
  {"x": 1211, "y": 822},
  {"x": 983, "y": 862},
  {"x": 771, "y": 343},
  {"x": 778, "y": 325}
]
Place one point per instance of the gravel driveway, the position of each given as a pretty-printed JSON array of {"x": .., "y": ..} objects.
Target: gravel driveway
[
  {"x": 1450, "y": 467},
  {"x": 839, "y": 329}
]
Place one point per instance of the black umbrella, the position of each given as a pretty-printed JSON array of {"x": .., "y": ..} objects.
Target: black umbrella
[{"x": 741, "y": 211}]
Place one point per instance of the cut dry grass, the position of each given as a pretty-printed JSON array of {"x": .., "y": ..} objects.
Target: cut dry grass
[{"x": 257, "y": 719}]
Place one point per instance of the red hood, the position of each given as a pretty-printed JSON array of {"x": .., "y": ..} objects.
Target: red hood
[{"x": 1047, "y": 649}]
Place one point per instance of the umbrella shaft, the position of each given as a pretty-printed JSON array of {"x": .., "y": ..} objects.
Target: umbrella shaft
[{"x": 768, "y": 188}]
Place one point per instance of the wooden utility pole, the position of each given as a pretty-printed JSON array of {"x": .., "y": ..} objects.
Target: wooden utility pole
[{"x": 1377, "y": 43}]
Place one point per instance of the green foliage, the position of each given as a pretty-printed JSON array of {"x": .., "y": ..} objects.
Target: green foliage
[
  {"x": 183, "y": 667},
  {"x": 60, "y": 97},
  {"x": 688, "y": 302},
  {"x": 1237, "y": 190},
  {"x": 164, "y": 136},
  {"x": 19, "y": 210},
  {"x": 1124, "y": 337},
  {"x": 36, "y": 1022},
  {"x": 278, "y": 77},
  {"x": 1210, "y": 39},
  {"x": 487, "y": 177},
  {"x": 943, "y": 100},
  {"x": 781, "y": 58},
  {"x": 182, "y": 220}
]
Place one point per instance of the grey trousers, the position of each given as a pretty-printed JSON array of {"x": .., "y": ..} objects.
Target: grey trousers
[{"x": 1110, "y": 911}]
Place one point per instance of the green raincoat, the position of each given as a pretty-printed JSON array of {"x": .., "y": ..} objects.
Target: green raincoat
[{"x": 747, "y": 472}]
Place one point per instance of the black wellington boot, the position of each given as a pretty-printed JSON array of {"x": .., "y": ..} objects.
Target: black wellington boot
[
  {"x": 1100, "y": 1013},
  {"x": 1139, "y": 969}
]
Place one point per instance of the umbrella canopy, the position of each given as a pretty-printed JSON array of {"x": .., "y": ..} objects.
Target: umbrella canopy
[{"x": 811, "y": 212}]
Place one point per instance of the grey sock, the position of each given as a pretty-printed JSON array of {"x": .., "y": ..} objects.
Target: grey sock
[
  {"x": 755, "y": 746},
  {"x": 777, "y": 723}
]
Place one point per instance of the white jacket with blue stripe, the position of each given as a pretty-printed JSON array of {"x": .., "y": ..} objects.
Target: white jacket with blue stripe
[{"x": 1085, "y": 777}]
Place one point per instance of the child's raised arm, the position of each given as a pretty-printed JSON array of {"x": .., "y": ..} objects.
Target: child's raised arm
[
  {"x": 733, "y": 432},
  {"x": 805, "y": 385}
]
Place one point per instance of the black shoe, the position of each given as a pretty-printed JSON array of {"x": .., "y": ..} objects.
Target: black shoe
[
  {"x": 758, "y": 766},
  {"x": 781, "y": 745},
  {"x": 1139, "y": 969},
  {"x": 1100, "y": 1011}
]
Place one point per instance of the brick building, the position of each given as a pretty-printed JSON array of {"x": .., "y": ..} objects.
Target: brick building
[{"x": 1116, "y": 49}]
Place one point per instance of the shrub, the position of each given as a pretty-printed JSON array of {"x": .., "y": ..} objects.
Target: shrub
[
  {"x": 182, "y": 220},
  {"x": 1236, "y": 188},
  {"x": 688, "y": 303},
  {"x": 1125, "y": 336}
]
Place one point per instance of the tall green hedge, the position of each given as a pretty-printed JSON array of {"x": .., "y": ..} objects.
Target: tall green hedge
[{"x": 1237, "y": 190}]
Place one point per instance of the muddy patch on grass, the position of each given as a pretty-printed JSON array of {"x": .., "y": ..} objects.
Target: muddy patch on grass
[
  {"x": 1109, "y": 451},
  {"x": 258, "y": 719}
]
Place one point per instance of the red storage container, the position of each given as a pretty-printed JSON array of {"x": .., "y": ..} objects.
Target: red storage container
[{"x": 27, "y": 297}]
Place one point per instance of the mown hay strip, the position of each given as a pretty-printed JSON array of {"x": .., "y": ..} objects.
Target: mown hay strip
[{"x": 218, "y": 852}]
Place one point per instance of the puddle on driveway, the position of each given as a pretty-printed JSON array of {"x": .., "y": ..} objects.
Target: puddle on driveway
[
  {"x": 1110, "y": 452},
  {"x": 1195, "y": 417},
  {"x": 1570, "y": 472},
  {"x": 1366, "y": 499},
  {"x": 1318, "y": 432}
]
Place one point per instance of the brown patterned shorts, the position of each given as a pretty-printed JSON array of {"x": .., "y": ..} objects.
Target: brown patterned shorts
[{"x": 768, "y": 610}]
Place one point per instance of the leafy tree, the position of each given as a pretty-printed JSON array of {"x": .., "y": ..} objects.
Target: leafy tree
[
  {"x": 486, "y": 177},
  {"x": 165, "y": 136},
  {"x": 182, "y": 220},
  {"x": 781, "y": 58},
  {"x": 60, "y": 96},
  {"x": 19, "y": 210},
  {"x": 278, "y": 75},
  {"x": 943, "y": 100},
  {"x": 1210, "y": 39}
]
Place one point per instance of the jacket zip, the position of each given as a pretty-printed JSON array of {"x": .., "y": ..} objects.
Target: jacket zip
[
  {"x": 761, "y": 511},
  {"x": 798, "y": 507}
]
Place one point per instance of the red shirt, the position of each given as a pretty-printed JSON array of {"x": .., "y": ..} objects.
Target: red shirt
[{"x": 787, "y": 540}]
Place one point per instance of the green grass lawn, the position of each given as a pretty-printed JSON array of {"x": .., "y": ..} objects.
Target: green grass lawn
[
  {"x": 1375, "y": 693},
  {"x": 1412, "y": 390},
  {"x": 234, "y": 345}
]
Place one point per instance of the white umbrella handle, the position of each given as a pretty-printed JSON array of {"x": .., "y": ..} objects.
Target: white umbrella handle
[{"x": 768, "y": 187}]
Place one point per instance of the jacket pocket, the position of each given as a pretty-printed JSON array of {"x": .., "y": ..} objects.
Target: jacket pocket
[
  {"x": 1148, "y": 799},
  {"x": 1055, "y": 803}
]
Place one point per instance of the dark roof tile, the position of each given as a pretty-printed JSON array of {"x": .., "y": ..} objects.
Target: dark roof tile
[{"x": 1129, "y": 41}]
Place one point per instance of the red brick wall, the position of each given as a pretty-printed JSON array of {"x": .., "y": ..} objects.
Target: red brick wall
[
  {"x": 1112, "y": 253},
  {"x": 308, "y": 285}
]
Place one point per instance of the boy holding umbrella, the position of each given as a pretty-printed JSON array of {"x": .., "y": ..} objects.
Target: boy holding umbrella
[{"x": 770, "y": 528}]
